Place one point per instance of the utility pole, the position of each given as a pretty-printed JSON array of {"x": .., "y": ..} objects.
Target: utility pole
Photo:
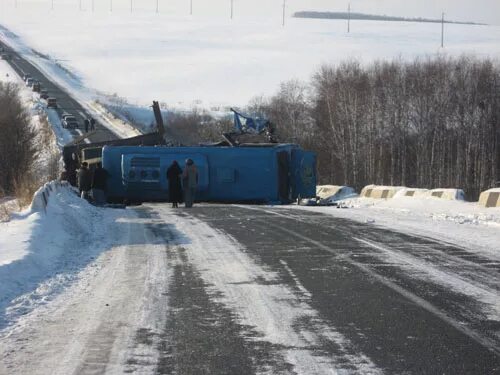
[
  {"x": 442, "y": 30},
  {"x": 232, "y": 9},
  {"x": 52, "y": 5},
  {"x": 349, "y": 18},
  {"x": 157, "y": 6},
  {"x": 191, "y": 8},
  {"x": 284, "y": 9}
]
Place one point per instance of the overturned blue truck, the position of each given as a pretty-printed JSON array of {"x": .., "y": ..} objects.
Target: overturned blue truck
[
  {"x": 271, "y": 173},
  {"x": 234, "y": 170}
]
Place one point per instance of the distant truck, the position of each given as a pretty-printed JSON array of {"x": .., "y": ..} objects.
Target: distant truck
[{"x": 92, "y": 156}]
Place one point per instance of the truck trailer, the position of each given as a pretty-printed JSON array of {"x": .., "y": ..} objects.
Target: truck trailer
[{"x": 254, "y": 173}]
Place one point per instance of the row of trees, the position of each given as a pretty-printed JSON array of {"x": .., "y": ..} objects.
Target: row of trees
[
  {"x": 432, "y": 122},
  {"x": 29, "y": 155},
  {"x": 17, "y": 146}
]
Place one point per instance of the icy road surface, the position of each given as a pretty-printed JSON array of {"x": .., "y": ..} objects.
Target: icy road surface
[{"x": 253, "y": 289}]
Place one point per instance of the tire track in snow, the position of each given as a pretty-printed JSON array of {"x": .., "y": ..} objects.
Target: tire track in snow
[
  {"x": 491, "y": 299},
  {"x": 260, "y": 299}
]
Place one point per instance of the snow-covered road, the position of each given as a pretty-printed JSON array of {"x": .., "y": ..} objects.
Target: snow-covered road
[
  {"x": 91, "y": 327},
  {"x": 226, "y": 289}
]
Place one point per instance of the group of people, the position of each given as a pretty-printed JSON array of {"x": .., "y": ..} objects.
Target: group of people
[
  {"x": 182, "y": 184},
  {"x": 182, "y": 181},
  {"x": 92, "y": 185},
  {"x": 89, "y": 124}
]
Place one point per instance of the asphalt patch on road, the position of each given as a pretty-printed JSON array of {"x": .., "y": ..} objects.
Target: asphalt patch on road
[{"x": 204, "y": 337}]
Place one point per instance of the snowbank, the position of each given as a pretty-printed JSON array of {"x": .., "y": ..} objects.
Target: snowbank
[
  {"x": 459, "y": 222},
  {"x": 490, "y": 198},
  {"x": 42, "y": 196},
  {"x": 43, "y": 248},
  {"x": 333, "y": 193}
]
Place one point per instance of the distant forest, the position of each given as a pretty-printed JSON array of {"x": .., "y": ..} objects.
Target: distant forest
[
  {"x": 428, "y": 123},
  {"x": 370, "y": 17}
]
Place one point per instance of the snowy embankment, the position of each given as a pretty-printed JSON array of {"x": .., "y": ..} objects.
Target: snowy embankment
[
  {"x": 76, "y": 284},
  {"x": 42, "y": 249},
  {"x": 458, "y": 222},
  {"x": 71, "y": 83}
]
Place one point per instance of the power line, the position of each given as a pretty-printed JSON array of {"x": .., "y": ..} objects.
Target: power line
[
  {"x": 284, "y": 9},
  {"x": 349, "y": 18},
  {"x": 442, "y": 30}
]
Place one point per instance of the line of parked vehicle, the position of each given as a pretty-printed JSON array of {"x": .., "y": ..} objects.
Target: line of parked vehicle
[
  {"x": 68, "y": 120},
  {"x": 36, "y": 86}
]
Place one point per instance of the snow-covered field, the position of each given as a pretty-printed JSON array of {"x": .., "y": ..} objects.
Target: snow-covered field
[{"x": 211, "y": 61}]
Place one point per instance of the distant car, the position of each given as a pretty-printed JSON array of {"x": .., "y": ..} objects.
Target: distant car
[
  {"x": 26, "y": 76},
  {"x": 29, "y": 82},
  {"x": 70, "y": 122},
  {"x": 66, "y": 114},
  {"x": 5, "y": 56},
  {"x": 51, "y": 103},
  {"x": 44, "y": 94}
]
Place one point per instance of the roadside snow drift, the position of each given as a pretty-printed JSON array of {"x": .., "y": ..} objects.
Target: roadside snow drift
[{"x": 42, "y": 252}]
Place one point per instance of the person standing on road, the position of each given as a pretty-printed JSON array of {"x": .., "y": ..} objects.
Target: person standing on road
[
  {"x": 99, "y": 185},
  {"x": 189, "y": 182},
  {"x": 84, "y": 181},
  {"x": 174, "y": 184},
  {"x": 86, "y": 123},
  {"x": 92, "y": 124}
]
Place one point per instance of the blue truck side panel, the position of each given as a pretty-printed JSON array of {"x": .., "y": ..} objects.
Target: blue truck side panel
[{"x": 226, "y": 174}]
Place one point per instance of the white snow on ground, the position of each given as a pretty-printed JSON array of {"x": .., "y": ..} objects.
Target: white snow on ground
[
  {"x": 76, "y": 284},
  {"x": 461, "y": 223},
  {"x": 40, "y": 252},
  {"x": 98, "y": 279},
  {"x": 272, "y": 309},
  {"x": 103, "y": 269},
  {"x": 208, "y": 61},
  {"x": 7, "y": 74}
]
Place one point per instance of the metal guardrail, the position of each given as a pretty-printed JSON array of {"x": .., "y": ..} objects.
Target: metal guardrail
[{"x": 42, "y": 196}]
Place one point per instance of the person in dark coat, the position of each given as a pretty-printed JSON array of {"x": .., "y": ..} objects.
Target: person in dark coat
[
  {"x": 86, "y": 124},
  {"x": 174, "y": 184},
  {"x": 84, "y": 181},
  {"x": 99, "y": 185},
  {"x": 92, "y": 124}
]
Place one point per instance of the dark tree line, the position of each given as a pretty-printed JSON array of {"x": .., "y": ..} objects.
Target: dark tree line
[
  {"x": 17, "y": 147},
  {"x": 428, "y": 123}
]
